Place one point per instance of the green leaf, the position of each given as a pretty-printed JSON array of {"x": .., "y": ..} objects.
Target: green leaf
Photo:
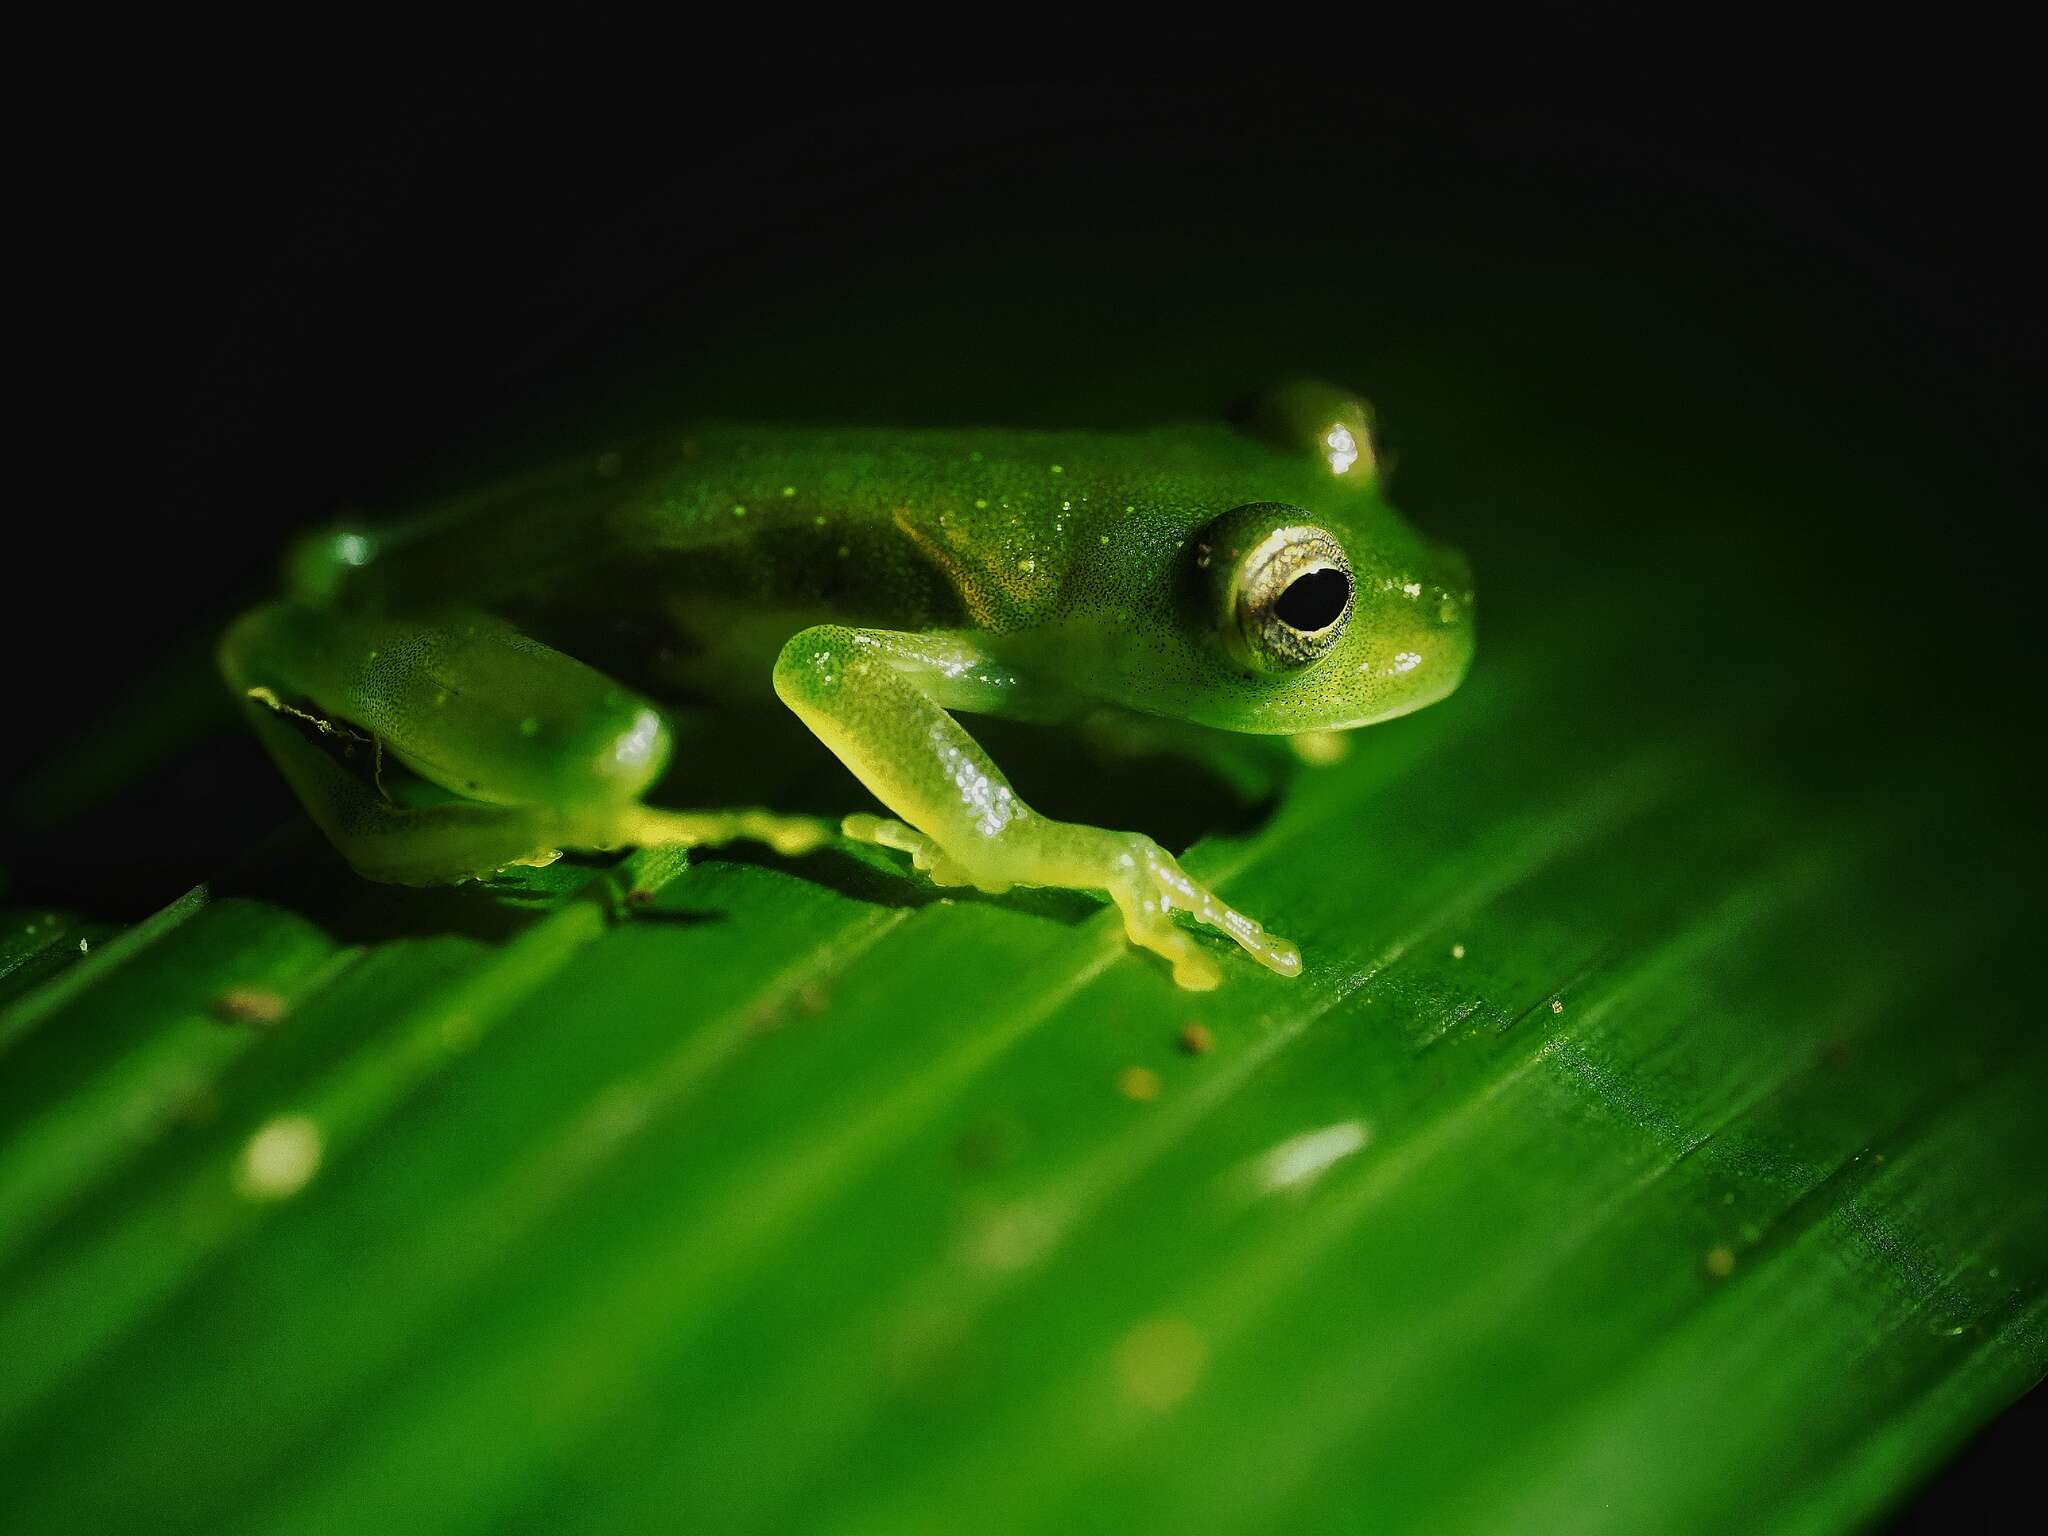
[{"x": 1653, "y": 1141}]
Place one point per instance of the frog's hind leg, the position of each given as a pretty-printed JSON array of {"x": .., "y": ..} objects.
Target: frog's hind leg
[{"x": 542, "y": 752}]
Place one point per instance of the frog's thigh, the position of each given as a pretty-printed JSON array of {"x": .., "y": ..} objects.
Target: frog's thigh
[
  {"x": 874, "y": 698},
  {"x": 427, "y": 845},
  {"x": 547, "y": 752}
]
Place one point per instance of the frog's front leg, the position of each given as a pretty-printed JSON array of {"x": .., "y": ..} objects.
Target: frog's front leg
[
  {"x": 542, "y": 752},
  {"x": 879, "y": 700}
]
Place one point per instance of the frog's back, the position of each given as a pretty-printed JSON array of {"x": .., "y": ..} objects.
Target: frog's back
[
  {"x": 910, "y": 529},
  {"x": 970, "y": 527}
]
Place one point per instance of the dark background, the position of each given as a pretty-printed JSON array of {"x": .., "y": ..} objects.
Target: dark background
[{"x": 276, "y": 277}]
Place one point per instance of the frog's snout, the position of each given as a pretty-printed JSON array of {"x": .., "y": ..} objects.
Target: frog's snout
[
  {"x": 1449, "y": 585},
  {"x": 1445, "y": 629}
]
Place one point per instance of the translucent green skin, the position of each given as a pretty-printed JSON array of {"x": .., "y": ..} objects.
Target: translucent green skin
[
  {"x": 1073, "y": 558},
  {"x": 877, "y": 579}
]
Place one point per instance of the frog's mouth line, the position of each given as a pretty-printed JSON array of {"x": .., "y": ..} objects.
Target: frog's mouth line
[
  {"x": 1392, "y": 712},
  {"x": 1408, "y": 706}
]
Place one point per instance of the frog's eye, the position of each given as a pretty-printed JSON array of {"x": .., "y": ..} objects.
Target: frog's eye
[{"x": 1289, "y": 598}]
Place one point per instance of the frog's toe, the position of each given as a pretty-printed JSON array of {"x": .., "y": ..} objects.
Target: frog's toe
[
  {"x": 1193, "y": 969},
  {"x": 925, "y": 855},
  {"x": 646, "y": 827},
  {"x": 886, "y": 832},
  {"x": 790, "y": 836},
  {"x": 1149, "y": 924}
]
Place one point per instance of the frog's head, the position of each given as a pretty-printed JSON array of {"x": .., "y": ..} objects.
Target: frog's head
[
  {"x": 1323, "y": 619},
  {"x": 1296, "y": 598}
]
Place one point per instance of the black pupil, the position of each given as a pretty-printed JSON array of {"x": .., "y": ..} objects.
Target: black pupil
[{"x": 1315, "y": 601}]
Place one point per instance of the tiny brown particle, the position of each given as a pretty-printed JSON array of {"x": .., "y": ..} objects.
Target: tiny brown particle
[
  {"x": 1197, "y": 1040},
  {"x": 1139, "y": 1083},
  {"x": 249, "y": 1005},
  {"x": 1721, "y": 1261}
]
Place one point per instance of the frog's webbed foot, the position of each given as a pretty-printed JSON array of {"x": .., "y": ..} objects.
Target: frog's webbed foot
[
  {"x": 1149, "y": 886},
  {"x": 1143, "y": 879}
]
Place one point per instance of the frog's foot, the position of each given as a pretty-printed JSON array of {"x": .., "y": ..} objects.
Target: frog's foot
[
  {"x": 1149, "y": 886},
  {"x": 1144, "y": 880},
  {"x": 791, "y": 836},
  {"x": 1319, "y": 749},
  {"x": 925, "y": 855}
]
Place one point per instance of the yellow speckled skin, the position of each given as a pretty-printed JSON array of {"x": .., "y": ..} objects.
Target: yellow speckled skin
[{"x": 1251, "y": 579}]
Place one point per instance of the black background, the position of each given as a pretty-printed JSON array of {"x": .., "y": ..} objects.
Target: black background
[
  {"x": 283, "y": 277},
  {"x": 271, "y": 275}
]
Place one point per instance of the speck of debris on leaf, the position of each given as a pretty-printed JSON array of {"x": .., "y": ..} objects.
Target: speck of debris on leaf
[
  {"x": 1197, "y": 1040},
  {"x": 249, "y": 1005},
  {"x": 984, "y": 1146},
  {"x": 1557, "y": 1005},
  {"x": 1138, "y": 1083},
  {"x": 1159, "y": 1362},
  {"x": 1720, "y": 1261}
]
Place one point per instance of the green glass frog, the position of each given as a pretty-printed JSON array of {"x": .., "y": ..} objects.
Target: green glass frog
[{"x": 1247, "y": 578}]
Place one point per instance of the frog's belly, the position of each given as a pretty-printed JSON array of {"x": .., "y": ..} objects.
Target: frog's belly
[
  {"x": 726, "y": 649},
  {"x": 710, "y": 623}
]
